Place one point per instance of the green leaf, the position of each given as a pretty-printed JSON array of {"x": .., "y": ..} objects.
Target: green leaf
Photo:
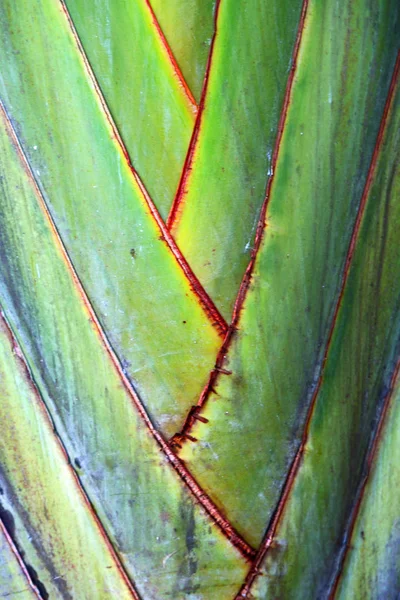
[
  {"x": 165, "y": 538},
  {"x": 37, "y": 481},
  {"x": 372, "y": 568},
  {"x": 188, "y": 26},
  {"x": 144, "y": 92},
  {"x": 321, "y": 490},
  {"x": 215, "y": 214},
  {"x": 257, "y": 413},
  {"x": 125, "y": 260},
  {"x": 14, "y": 578}
]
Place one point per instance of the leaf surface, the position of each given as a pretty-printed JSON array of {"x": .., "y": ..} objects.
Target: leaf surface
[
  {"x": 306, "y": 534},
  {"x": 167, "y": 542},
  {"x": 144, "y": 92},
  {"x": 131, "y": 272},
  {"x": 215, "y": 213},
  {"x": 255, "y": 415},
  {"x": 188, "y": 26},
  {"x": 372, "y": 567},
  {"x": 51, "y": 519},
  {"x": 13, "y": 577}
]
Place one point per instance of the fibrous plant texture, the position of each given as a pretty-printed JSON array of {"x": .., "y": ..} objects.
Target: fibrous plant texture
[{"x": 200, "y": 299}]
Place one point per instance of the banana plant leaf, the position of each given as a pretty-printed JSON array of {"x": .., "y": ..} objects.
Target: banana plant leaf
[
  {"x": 272, "y": 358},
  {"x": 188, "y": 26},
  {"x": 144, "y": 89},
  {"x": 199, "y": 299}
]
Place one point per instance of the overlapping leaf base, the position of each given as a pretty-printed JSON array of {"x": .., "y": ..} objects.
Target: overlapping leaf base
[{"x": 203, "y": 405}]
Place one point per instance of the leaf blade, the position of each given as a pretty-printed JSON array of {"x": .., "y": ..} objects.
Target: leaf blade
[
  {"x": 188, "y": 28},
  {"x": 122, "y": 462},
  {"x": 37, "y": 480},
  {"x": 144, "y": 93},
  {"x": 358, "y": 371},
  {"x": 274, "y": 367},
  {"x": 118, "y": 248},
  {"x": 227, "y": 167}
]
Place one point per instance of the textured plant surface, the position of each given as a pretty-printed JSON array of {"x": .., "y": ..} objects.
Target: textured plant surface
[{"x": 200, "y": 299}]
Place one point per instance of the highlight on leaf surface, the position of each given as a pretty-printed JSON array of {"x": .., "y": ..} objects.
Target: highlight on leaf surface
[{"x": 200, "y": 302}]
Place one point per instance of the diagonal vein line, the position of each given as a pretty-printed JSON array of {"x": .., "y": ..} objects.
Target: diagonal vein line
[
  {"x": 45, "y": 414},
  {"x": 361, "y": 491},
  {"x": 204, "y": 299},
  {"x": 181, "y": 437},
  {"x": 202, "y": 498},
  {"x": 20, "y": 560},
  {"x": 177, "y": 71},
  {"x": 290, "y": 480},
  {"x": 187, "y": 167}
]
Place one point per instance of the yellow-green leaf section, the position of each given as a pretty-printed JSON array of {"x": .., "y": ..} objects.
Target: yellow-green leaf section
[
  {"x": 13, "y": 577},
  {"x": 167, "y": 543},
  {"x": 226, "y": 176},
  {"x": 372, "y": 567},
  {"x": 326, "y": 148},
  {"x": 188, "y": 26},
  {"x": 140, "y": 294},
  {"x": 358, "y": 371},
  {"x": 150, "y": 106},
  {"x": 52, "y": 522}
]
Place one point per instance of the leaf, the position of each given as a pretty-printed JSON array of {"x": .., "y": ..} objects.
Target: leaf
[
  {"x": 372, "y": 567},
  {"x": 215, "y": 213},
  {"x": 14, "y": 579},
  {"x": 321, "y": 488},
  {"x": 255, "y": 416},
  {"x": 162, "y": 526},
  {"x": 143, "y": 90},
  {"x": 37, "y": 482},
  {"x": 188, "y": 26},
  {"x": 133, "y": 273}
]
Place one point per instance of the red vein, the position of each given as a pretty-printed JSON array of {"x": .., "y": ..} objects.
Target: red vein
[
  {"x": 45, "y": 414},
  {"x": 369, "y": 463},
  {"x": 181, "y": 437},
  {"x": 176, "y": 207},
  {"x": 203, "y": 499},
  {"x": 290, "y": 480},
  {"x": 20, "y": 560},
  {"x": 205, "y": 301},
  {"x": 177, "y": 71}
]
